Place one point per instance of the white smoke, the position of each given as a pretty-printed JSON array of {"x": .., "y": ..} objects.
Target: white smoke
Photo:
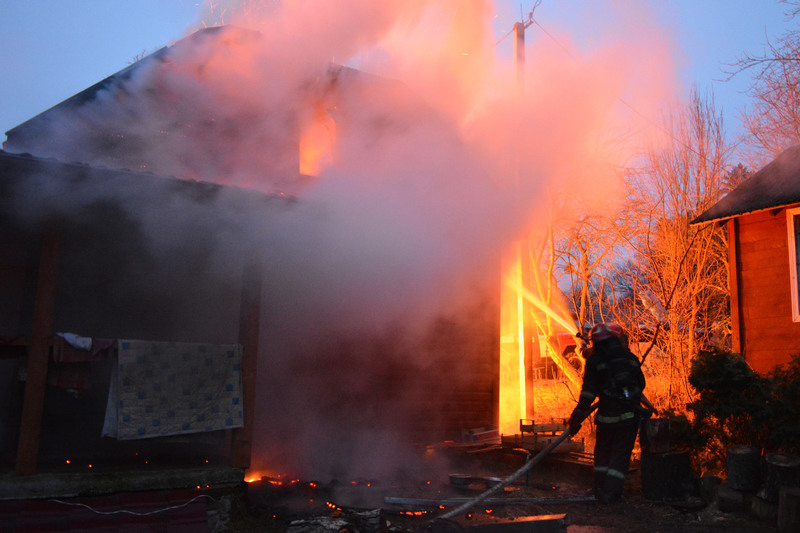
[{"x": 438, "y": 167}]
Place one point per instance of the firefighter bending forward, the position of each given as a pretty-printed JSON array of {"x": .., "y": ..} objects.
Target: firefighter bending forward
[{"x": 614, "y": 375}]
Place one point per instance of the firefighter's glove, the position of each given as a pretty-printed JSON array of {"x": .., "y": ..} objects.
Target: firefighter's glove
[{"x": 575, "y": 420}]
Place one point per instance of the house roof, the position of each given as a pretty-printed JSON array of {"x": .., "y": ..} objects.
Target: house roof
[
  {"x": 168, "y": 114},
  {"x": 118, "y": 81},
  {"x": 775, "y": 185},
  {"x": 119, "y": 77}
]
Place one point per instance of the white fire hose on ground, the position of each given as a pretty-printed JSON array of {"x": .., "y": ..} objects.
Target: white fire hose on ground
[{"x": 513, "y": 477}]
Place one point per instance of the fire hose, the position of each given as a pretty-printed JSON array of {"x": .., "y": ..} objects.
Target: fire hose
[{"x": 536, "y": 459}]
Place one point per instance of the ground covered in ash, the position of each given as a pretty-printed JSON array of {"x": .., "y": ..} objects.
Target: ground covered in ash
[{"x": 553, "y": 488}]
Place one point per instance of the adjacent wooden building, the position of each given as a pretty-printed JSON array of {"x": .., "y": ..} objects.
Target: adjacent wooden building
[{"x": 762, "y": 218}]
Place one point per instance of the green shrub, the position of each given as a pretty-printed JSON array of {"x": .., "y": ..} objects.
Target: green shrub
[
  {"x": 732, "y": 404},
  {"x": 735, "y": 405},
  {"x": 785, "y": 430}
]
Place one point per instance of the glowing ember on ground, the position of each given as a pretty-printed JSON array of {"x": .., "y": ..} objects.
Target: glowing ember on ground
[{"x": 415, "y": 513}]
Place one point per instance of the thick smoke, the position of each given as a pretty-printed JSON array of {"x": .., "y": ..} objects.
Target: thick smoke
[
  {"x": 438, "y": 166},
  {"x": 428, "y": 188}
]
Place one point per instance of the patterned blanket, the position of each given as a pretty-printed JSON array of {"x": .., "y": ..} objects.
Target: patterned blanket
[{"x": 168, "y": 388}]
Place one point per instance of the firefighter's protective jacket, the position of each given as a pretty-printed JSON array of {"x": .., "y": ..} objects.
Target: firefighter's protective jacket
[{"x": 613, "y": 374}]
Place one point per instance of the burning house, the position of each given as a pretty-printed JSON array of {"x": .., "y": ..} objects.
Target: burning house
[{"x": 178, "y": 284}]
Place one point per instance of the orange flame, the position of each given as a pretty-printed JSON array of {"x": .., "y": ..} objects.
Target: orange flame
[
  {"x": 515, "y": 371},
  {"x": 317, "y": 142}
]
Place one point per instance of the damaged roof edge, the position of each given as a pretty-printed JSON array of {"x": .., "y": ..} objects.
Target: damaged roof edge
[
  {"x": 87, "y": 94},
  {"x": 199, "y": 190},
  {"x": 91, "y": 92}
]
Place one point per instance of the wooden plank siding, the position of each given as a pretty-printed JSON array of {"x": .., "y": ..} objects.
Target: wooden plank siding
[
  {"x": 767, "y": 333},
  {"x": 464, "y": 384},
  {"x": 426, "y": 386}
]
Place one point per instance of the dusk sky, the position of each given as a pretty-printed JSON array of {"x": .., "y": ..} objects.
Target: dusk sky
[{"x": 52, "y": 49}]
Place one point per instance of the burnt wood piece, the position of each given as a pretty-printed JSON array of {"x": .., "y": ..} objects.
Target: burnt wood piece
[
  {"x": 371, "y": 521},
  {"x": 789, "y": 510},
  {"x": 424, "y": 504},
  {"x": 666, "y": 476},
  {"x": 780, "y": 470},
  {"x": 744, "y": 468},
  {"x": 551, "y": 523}
]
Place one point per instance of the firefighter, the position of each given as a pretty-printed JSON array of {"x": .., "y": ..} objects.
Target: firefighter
[{"x": 613, "y": 375}]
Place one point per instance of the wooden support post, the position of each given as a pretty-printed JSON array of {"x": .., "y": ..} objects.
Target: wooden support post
[
  {"x": 249, "y": 319},
  {"x": 38, "y": 355},
  {"x": 737, "y": 333}
]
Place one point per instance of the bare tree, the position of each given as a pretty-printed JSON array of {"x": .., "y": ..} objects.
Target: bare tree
[
  {"x": 773, "y": 120},
  {"x": 682, "y": 267},
  {"x": 585, "y": 254}
]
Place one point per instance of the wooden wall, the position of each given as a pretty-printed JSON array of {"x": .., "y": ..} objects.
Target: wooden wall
[
  {"x": 426, "y": 384},
  {"x": 768, "y": 335}
]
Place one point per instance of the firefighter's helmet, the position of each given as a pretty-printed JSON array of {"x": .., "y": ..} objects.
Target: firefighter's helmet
[{"x": 603, "y": 331}]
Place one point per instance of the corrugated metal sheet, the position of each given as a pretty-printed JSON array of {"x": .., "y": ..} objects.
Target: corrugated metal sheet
[{"x": 776, "y": 185}]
